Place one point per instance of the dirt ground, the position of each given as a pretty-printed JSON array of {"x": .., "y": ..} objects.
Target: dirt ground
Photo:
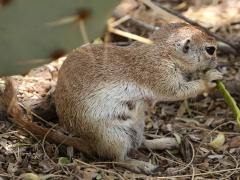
[{"x": 205, "y": 127}]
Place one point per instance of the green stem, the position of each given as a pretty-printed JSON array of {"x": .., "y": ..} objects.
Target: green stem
[{"x": 229, "y": 100}]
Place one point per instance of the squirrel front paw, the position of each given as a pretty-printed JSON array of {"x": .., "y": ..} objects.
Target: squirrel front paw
[{"x": 210, "y": 77}]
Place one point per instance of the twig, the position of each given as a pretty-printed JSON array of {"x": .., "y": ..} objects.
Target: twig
[
  {"x": 120, "y": 21},
  {"x": 129, "y": 35},
  {"x": 9, "y": 101},
  {"x": 225, "y": 48},
  {"x": 34, "y": 114},
  {"x": 6, "y": 175},
  {"x": 181, "y": 17},
  {"x": 199, "y": 174},
  {"x": 165, "y": 15},
  {"x": 112, "y": 28},
  {"x": 140, "y": 23},
  {"x": 237, "y": 165},
  {"x": 43, "y": 147},
  {"x": 204, "y": 129},
  {"x": 193, "y": 173},
  {"x": 235, "y": 23},
  {"x": 170, "y": 160},
  {"x": 7, "y": 133},
  {"x": 210, "y": 134},
  {"x": 94, "y": 166},
  {"x": 229, "y": 100},
  {"x": 202, "y": 27},
  {"x": 137, "y": 22},
  {"x": 190, "y": 163}
]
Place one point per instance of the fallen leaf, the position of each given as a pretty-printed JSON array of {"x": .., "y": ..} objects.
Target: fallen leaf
[
  {"x": 98, "y": 177},
  {"x": 218, "y": 142},
  {"x": 63, "y": 161},
  {"x": 29, "y": 176},
  {"x": 235, "y": 142}
]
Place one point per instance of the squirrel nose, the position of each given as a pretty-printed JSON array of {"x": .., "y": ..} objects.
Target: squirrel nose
[{"x": 210, "y": 50}]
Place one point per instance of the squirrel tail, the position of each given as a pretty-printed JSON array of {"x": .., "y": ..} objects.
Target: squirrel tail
[{"x": 8, "y": 99}]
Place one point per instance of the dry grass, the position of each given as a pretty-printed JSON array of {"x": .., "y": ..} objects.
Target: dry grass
[{"x": 195, "y": 122}]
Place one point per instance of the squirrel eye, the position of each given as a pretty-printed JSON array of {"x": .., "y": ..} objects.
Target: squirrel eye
[
  {"x": 210, "y": 50},
  {"x": 186, "y": 46}
]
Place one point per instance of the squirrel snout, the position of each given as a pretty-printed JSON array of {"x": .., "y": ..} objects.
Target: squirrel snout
[{"x": 213, "y": 63}]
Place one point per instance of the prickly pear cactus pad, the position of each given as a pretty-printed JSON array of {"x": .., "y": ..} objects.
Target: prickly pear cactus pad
[{"x": 32, "y": 32}]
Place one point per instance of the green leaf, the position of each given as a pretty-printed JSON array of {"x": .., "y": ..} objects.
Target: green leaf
[
  {"x": 63, "y": 161},
  {"x": 98, "y": 41},
  {"x": 99, "y": 177}
]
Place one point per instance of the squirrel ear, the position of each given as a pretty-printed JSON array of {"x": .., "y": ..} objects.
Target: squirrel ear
[{"x": 186, "y": 46}]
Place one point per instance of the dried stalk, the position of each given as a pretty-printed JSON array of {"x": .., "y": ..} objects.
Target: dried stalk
[{"x": 165, "y": 12}]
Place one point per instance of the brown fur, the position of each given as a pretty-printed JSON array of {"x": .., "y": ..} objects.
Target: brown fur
[{"x": 103, "y": 91}]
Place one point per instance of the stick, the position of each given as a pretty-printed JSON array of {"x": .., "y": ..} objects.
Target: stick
[
  {"x": 129, "y": 35},
  {"x": 8, "y": 100},
  {"x": 137, "y": 22},
  {"x": 181, "y": 17},
  {"x": 202, "y": 27}
]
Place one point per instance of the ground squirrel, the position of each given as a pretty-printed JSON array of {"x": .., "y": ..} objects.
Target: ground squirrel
[{"x": 103, "y": 91}]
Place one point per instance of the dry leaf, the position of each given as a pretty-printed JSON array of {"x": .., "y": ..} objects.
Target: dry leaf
[
  {"x": 218, "y": 142},
  {"x": 29, "y": 176},
  {"x": 235, "y": 142}
]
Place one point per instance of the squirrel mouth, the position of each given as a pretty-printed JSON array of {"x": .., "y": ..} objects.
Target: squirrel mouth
[
  {"x": 210, "y": 67},
  {"x": 213, "y": 64}
]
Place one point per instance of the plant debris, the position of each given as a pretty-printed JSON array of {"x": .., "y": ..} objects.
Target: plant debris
[{"x": 205, "y": 127}]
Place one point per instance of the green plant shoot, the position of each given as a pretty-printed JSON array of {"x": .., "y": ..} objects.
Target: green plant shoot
[{"x": 229, "y": 100}]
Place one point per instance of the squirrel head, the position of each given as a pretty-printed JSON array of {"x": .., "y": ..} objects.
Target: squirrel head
[{"x": 190, "y": 48}]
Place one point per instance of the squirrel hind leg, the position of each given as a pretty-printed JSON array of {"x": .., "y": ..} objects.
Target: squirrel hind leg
[{"x": 115, "y": 145}]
